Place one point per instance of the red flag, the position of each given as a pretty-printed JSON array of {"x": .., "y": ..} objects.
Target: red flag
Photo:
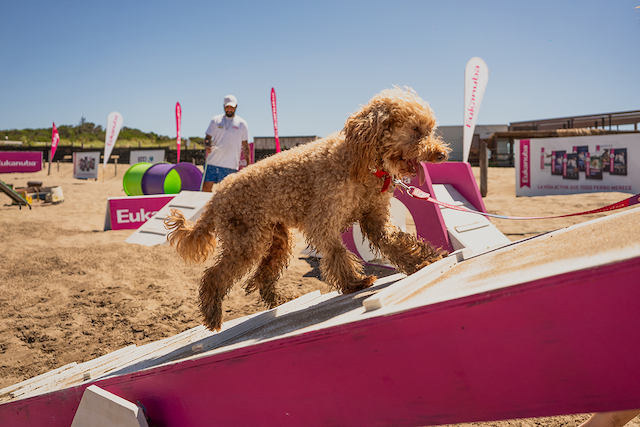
[
  {"x": 178, "y": 123},
  {"x": 274, "y": 113},
  {"x": 55, "y": 139}
]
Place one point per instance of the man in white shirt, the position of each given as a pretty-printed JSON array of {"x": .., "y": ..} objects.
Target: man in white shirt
[{"x": 226, "y": 136}]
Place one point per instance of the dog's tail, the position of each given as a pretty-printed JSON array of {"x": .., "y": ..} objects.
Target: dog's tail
[{"x": 194, "y": 242}]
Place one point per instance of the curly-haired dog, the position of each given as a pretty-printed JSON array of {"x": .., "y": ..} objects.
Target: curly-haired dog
[{"x": 320, "y": 188}]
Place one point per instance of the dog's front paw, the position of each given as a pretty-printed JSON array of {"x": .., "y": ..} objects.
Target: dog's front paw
[
  {"x": 359, "y": 285},
  {"x": 437, "y": 255}
]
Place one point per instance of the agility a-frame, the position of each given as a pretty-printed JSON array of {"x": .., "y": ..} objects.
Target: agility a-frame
[{"x": 544, "y": 326}]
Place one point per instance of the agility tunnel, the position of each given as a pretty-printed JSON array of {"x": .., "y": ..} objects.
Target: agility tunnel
[{"x": 161, "y": 178}]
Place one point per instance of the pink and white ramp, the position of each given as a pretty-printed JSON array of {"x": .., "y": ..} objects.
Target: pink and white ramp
[{"x": 545, "y": 326}]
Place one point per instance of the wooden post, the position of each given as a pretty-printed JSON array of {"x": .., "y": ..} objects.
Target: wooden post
[
  {"x": 482, "y": 148},
  {"x": 49, "y": 171}
]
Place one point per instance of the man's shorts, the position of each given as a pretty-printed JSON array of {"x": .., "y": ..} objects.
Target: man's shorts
[{"x": 216, "y": 174}]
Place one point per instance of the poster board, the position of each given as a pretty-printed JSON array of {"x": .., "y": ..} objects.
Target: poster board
[
  {"x": 146, "y": 156},
  {"x": 579, "y": 164},
  {"x": 20, "y": 161},
  {"x": 85, "y": 164},
  {"x": 243, "y": 161},
  {"x": 129, "y": 213}
]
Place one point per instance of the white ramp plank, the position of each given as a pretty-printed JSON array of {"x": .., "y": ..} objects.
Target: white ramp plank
[
  {"x": 73, "y": 376},
  {"x": 153, "y": 232},
  {"x": 5, "y": 392},
  {"x": 467, "y": 230},
  {"x": 411, "y": 284},
  {"x": 48, "y": 383},
  {"x": 227, "y": 334}
]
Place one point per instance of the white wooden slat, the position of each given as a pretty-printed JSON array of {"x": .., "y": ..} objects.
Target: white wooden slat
[{"x": 405, "y": 287}]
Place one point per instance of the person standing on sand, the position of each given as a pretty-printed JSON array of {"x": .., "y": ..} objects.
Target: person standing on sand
[{"x": 226, "y": 136}]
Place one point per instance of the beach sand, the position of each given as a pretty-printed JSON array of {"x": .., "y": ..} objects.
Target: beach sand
[{"x": 70, "y": 291}]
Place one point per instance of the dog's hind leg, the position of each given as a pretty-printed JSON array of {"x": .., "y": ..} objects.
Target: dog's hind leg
[
  {"x": 271, "y": 266},
  {"x": 233, "y": 263}
]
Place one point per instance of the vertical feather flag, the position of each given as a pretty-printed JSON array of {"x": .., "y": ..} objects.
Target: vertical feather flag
[
  {"x": 55, "y": 139},
  {"x": 114, "y": 123},
  {"x": 274, "y": 113},
  {"x": 178, "y": 124},
  {"x": 476, "y": 75}
]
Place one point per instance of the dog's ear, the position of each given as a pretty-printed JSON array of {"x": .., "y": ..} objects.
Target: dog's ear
[{"x": 363, "y": 131}]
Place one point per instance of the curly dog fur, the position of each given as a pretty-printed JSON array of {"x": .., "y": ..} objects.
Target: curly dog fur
[{"x": 320, "y": 188}]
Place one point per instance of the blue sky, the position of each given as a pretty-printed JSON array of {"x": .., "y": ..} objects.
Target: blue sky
[{"x": 62, "y": 60}]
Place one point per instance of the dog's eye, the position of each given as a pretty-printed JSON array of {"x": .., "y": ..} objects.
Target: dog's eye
[{"x": 415, "y": 128}]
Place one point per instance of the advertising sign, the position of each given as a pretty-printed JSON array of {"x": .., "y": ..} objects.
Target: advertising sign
[
  {"x": 178, "y": 125},
  {"x": 476, "y": 76},
  {"x": 243, "y": 161},
  {"x": 85, "y": 164},
  {"x": 148, "y": 156},
  {"x": 579, "y": 164},
  {"x": 55, "y": 139},
  {"x": 114, "y": 123},
  {"x": 20, "y": 161},
  {"x": 274, "y": 114},
  {"x": 129, "y": 213}
]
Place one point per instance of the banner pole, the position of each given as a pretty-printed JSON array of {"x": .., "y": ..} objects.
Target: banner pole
[
  {"x": 178, "y": 126},
  {"x": 274, "y": 114}
]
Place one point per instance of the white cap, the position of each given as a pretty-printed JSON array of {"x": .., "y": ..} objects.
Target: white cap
[{"x": 230, "y": 100}]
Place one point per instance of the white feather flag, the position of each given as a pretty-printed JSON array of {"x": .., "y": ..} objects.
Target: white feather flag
[
  {"x": 114, "y": 123},
  {"x": 476, "y": 75}
]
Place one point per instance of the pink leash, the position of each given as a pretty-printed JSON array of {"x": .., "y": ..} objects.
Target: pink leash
[{"x": 417, "y": 193}]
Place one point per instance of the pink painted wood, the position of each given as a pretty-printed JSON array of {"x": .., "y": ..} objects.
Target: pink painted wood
[
  {"x": 426, "y": 216},
  {"x": 560, "y": 345},
  {"x": 460, "y": 175}
]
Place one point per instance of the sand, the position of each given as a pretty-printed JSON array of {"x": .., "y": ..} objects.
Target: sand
[{"x": 70, "y": 291}]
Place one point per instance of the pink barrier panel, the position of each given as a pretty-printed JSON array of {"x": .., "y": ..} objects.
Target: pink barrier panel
[
  {"x": 129, "y": 213},
  {"x": 460, "y": 175},
  {"x": 20, "y": 161},
  {"x": 427, "y": 217}
]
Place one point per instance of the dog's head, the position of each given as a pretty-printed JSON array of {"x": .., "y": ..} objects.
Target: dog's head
[{"x": 394, "y": 132}]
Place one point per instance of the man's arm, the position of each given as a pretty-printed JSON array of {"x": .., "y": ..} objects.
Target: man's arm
[{"x": 247, "y": 152}]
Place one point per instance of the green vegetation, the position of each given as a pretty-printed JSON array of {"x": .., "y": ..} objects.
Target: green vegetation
[{"x": 88, "y": 135}]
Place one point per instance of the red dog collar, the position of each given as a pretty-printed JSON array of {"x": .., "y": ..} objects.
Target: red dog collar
[{"x": 387, "y": 179}]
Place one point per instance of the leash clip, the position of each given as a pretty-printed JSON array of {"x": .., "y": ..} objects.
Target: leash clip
[
  {"x": 411, "y": 189},
  {"x": 407, "y": 188}
]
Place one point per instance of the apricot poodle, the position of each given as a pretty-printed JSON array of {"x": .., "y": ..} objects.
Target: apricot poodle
[{"x": 320, "y": 188}]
